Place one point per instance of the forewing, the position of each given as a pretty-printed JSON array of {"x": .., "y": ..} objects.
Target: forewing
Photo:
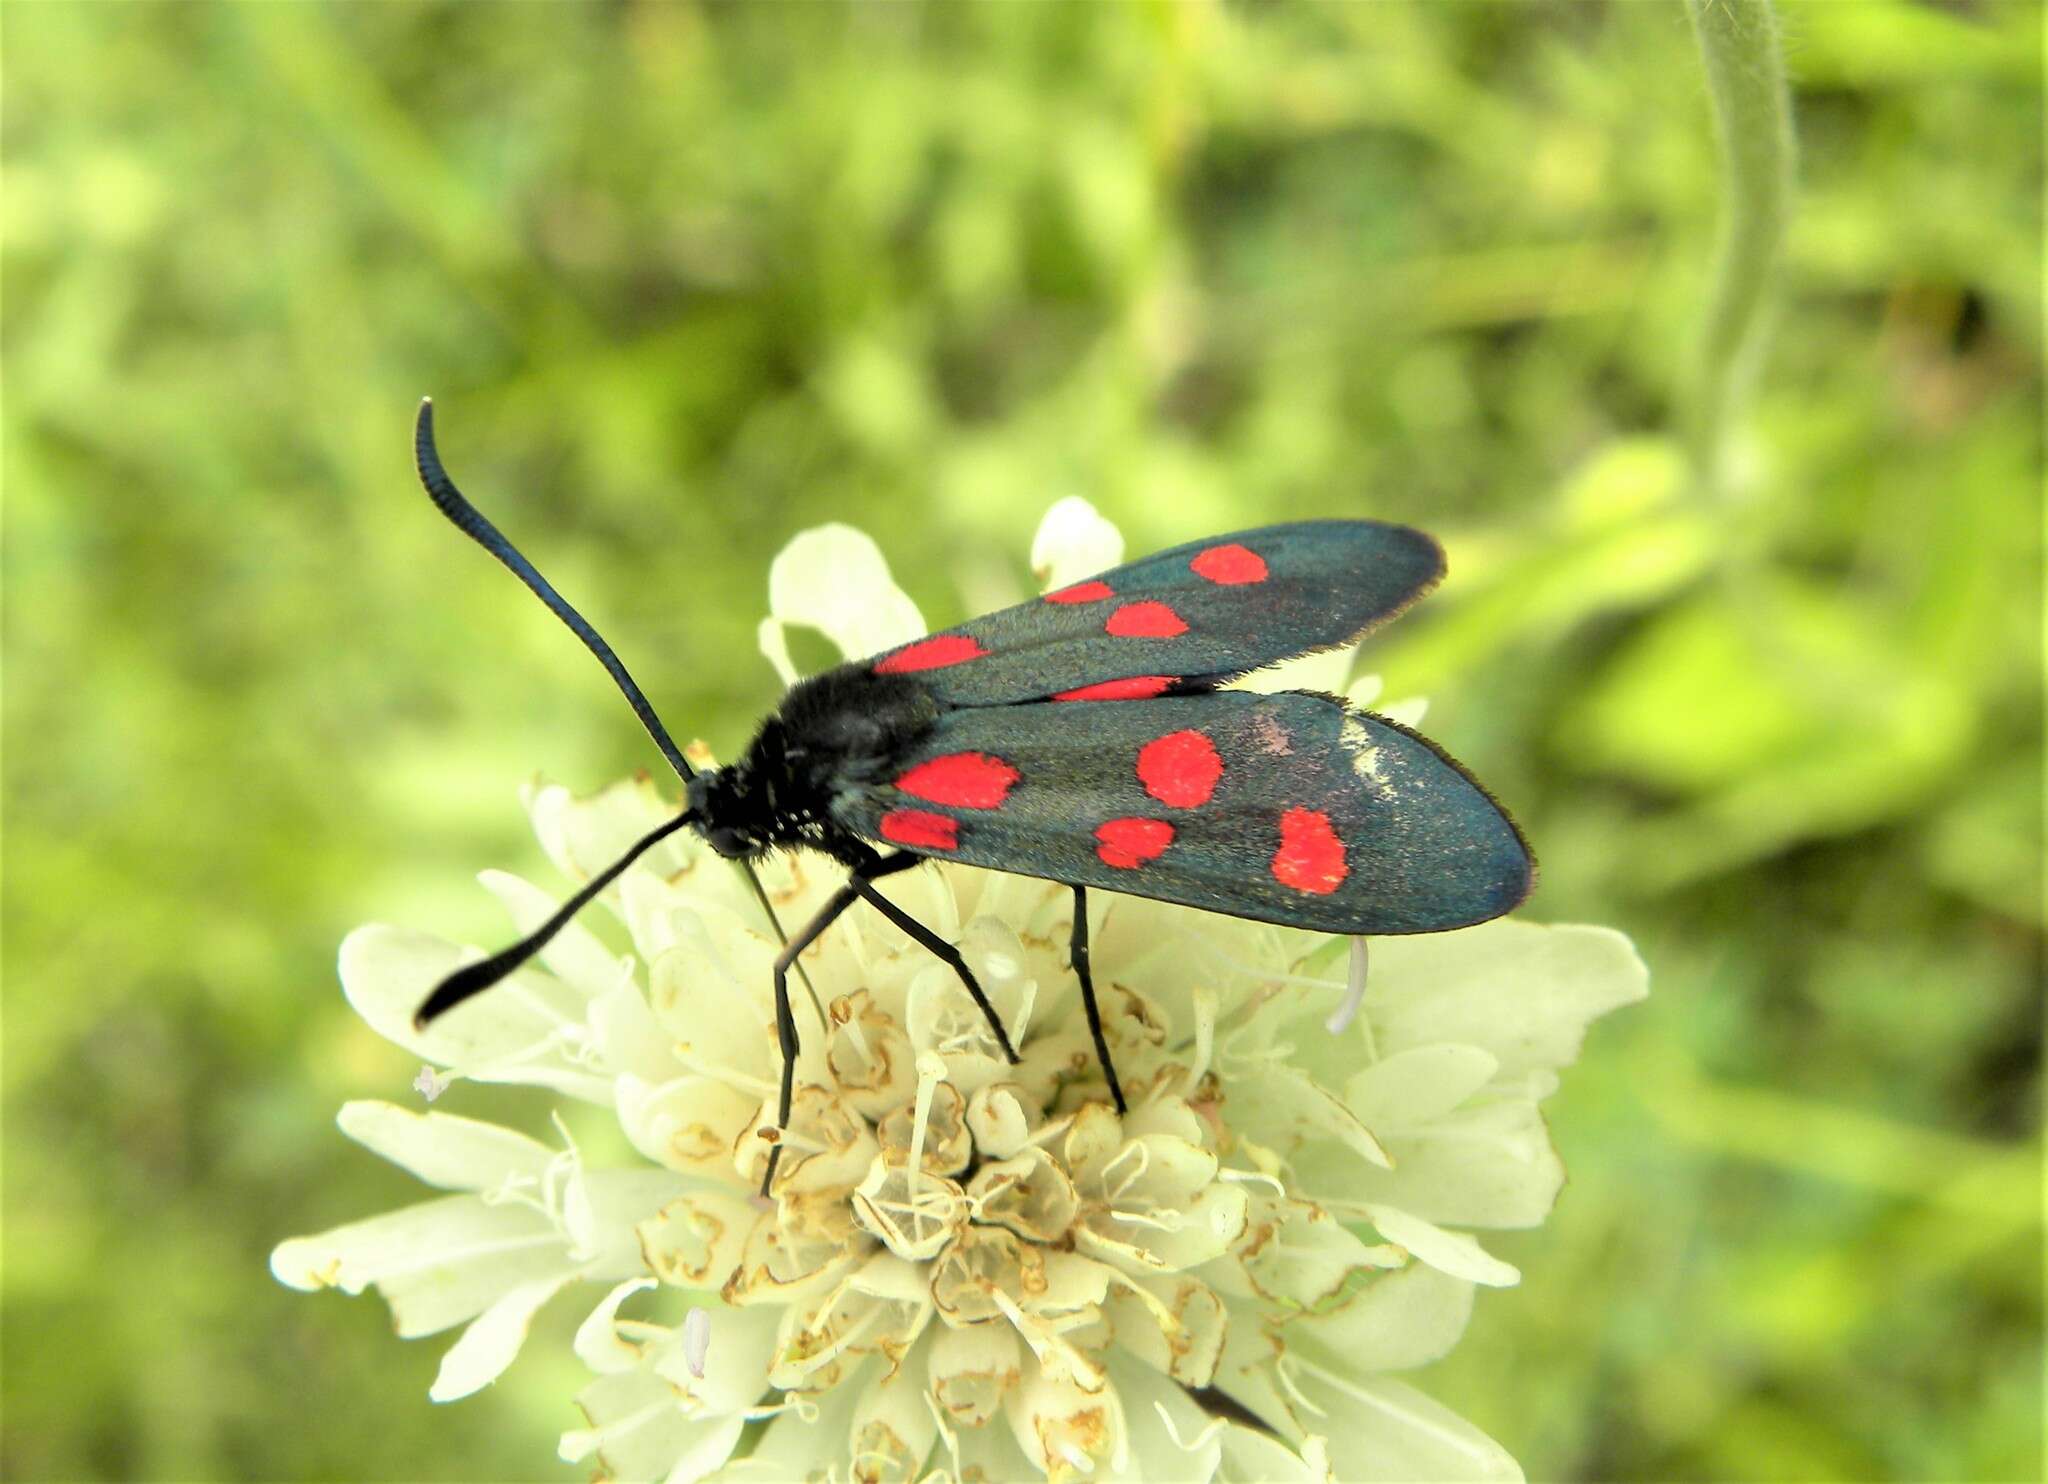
[
  {"x": 1286, "y": 808},
  {"x": 1193, "y": 614}
]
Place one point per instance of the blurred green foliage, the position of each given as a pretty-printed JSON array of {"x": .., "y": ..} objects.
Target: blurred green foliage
[{"x": 688, "y": 278}]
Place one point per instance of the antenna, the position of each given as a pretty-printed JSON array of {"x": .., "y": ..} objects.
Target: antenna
[
  {"x": 474, "y": 979},
  {"x": 451, "y": 502},
  {"x": 469, "y": 520}
]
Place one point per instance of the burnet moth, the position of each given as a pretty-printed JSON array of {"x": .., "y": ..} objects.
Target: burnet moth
[{"x": 1084, "y": 738}]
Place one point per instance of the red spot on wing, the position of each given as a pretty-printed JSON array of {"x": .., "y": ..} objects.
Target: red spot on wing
[
  {"x": 921, "y": 829},
  {"x": 1180, "y": 769},
  {"x": 931, "y": 654},
  {"x": 1311, "y": 857},
  {"x": 1230, "y": 565},
  {"x": 966, "y": 780},
  {"x": 1129, "y": 843},
  {"x": 1133, "y": 688},
  {"x": 1149, "y": 619},
  {"x": 1081, "y": 592}
]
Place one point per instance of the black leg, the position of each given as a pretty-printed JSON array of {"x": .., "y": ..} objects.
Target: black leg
[
  {"x": 785, "y": 1018},
  {"x": 878, "y": 866},
  {"x": 858, "y": 887},
  {"x": 940, "y": 949},
  {"x": 1077, "y": 954}
]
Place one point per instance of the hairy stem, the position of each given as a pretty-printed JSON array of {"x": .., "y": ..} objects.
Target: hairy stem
[{"x": 1745, "y": 74}]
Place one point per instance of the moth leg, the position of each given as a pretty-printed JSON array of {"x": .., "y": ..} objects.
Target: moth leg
[
  {"x": 878, "y": 866},
  {"x": 925, "y": 938},
  {"x": 785, "y": 1018},
  {"x": 1077, "y": 954}
]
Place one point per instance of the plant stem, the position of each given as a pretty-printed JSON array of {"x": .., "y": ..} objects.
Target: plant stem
[{"x": 1753, "y": 121}]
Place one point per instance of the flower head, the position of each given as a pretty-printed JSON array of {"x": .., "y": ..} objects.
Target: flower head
[{"x": 966, "y": 1266}]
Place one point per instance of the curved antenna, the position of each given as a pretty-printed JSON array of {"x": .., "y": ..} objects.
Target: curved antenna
[
  {"x": 474, "y": 979},
  {"x": 469, "y": 520}
]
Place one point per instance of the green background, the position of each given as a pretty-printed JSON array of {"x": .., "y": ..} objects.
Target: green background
[{"x": 686, "y": 279}]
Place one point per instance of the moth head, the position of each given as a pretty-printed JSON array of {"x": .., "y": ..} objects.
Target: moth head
[{"x": 728, "y": 813}]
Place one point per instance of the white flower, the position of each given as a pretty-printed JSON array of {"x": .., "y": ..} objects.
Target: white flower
[{"x": 972, "y": 1269}]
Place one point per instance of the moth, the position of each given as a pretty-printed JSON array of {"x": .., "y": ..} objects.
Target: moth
[{"x": 1086, "y": 737}]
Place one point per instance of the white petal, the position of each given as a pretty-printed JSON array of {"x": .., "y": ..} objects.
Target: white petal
[
  {"x": 1205, "y": 1231},
  {"x": 1171, "y": 1438},
  {"x": 584, "y": 835},
  {"x": 1072, "y": 1283},
  {"x": 598, "y": 1344},
  {"x": 619, "y": 1200},
  {"x": 1074, "y": 541},
  {"x": 992, "y": 1453},
  {"x": 1155, "y": 1170},
  {"x": 1172, "y": 952},
  {"x": 685, "y": 1123},
  {"x": 834, "y": 578},
  {"x": 892, "y": 1428},
  {"x": 996, "y": 1116},
  {"x": 1276, "y": 1105},
  {"x": 1408, "y": 712},
  {"x": 742, "y": 1350},
  {"x": 1399, "y": 1320},
  {"x": 1526, "y": 993},
  {"x": 634, "y": 1409},
  {"x": 437, "y": 1264},
  {"x": 1251, "y": 1457},
  {"x": 507, "y": 1035},
  {"x": 697, "y": 1240},
  {"x": 649, "y": 902},
  {"x": 442, "y": 1149},
  {"x": 1246, "y": 1368},
  {"x": 629, "y": 1040},
  {"x": 712, "y": 993},
  {"x": 492, "y": 1341},
  {"x": 800, "y": 1446},
  {"x": 1414, "y": 1086},
  {"x": 641, "y": 1433},
  {"x": 1058, "y": 1424},
  {"x": 773, "y": 640},
  {"x": 1170, "y": 1116},
  {"x": 1173, "y": 1322},
  {"x": 1310, "y": 1258},
  {"x": 1489, "y": 1164},
  {"x": 940, "y": 1015},
  {"x": 1451, "y": 1252},
  {"x": 1324, "y": 671},
  {"x": 711, "y": 1441},
  {"x": 1384, "y": 1430},
  {"x": 574, "y": 955},
  {"x": 972, "y": 1367}
]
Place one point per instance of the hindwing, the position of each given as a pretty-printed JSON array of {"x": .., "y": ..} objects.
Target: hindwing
[
  {"x": 1290, "y": 808},
  {"x": 1180, "y": 619}
]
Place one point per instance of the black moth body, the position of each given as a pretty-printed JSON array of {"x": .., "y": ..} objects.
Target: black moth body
[{"x": 1083, "y": 738}]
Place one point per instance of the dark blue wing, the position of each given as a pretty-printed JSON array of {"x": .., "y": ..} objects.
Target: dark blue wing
[
  {"x": 1196, "y": 613},
  {"x": 1285, "y": 808}
]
